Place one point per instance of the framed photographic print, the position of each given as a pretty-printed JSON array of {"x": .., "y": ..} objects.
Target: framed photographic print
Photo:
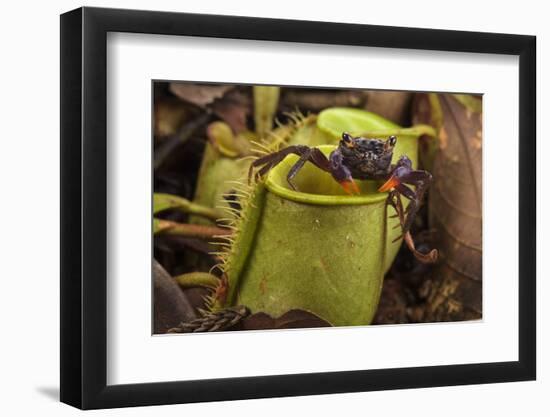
[{"x": 258, "y": 208}]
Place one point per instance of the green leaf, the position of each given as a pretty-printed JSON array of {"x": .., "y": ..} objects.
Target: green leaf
[
  {"x": 336, "y": 120},
  {"x": 197, "y": 279},
  {"x": 222, "y": 138},
  {"x": 266, "y": 100},
  {"x": 162, "y": 202},
  {"x": 359, "y": 122},
  {"x": 471, "y": 102},
  {"x": 157, "y": 226}
]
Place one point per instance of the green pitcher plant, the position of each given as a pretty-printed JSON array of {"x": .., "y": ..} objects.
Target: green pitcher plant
[{"x": 314, "y": 248}]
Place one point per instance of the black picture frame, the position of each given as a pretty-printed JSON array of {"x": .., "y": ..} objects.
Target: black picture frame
[{"x": 84, "y": 207}]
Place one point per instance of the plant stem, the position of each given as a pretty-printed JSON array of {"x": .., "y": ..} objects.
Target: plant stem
[
  {"x": 163, "y": 202},
  {"x": 188, "y": 230},
  {"x": 197, "y": 279}
]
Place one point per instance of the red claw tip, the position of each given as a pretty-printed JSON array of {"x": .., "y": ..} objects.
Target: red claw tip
[
  {"x": 389, "y": 184},
  {"x": 350, "y": 187}
]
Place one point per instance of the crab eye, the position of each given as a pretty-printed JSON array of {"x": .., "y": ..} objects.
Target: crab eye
[
  {"x": 392, "y": 140},
  {"x": 347, "y": 139}
]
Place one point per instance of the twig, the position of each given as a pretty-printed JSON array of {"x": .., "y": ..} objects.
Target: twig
[
  {"x": 189, "y": 230},
  {"x": 181, "y": 137}
]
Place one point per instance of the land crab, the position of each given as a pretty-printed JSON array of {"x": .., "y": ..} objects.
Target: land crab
[{"x": 360, "y": 158}]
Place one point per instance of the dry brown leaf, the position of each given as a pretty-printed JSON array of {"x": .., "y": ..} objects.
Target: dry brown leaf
[
  {"x": 393, "y": 105},
  {"x": 293, "y": 319},
  {"x": 170, "y": 114},
  {"x": 455, "y": 208},
  {"x": 315, "y": 100},
  {"x": 171, "y": 305},
  {"x": 199, "y": 94},
  {"x": 234, "y": 109}
]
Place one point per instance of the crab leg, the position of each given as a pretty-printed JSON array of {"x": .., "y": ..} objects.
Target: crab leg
[
  {"x": 341, "y": 173},
  {"x": 306, "y": 154},
  {"x": 401, "y": 175}
]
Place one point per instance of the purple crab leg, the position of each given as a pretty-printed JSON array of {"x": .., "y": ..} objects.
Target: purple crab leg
[
  {"x": 341, "y": 173},
  {"x": 305, "y": 153},
  {"x": 401, "y": 175}
]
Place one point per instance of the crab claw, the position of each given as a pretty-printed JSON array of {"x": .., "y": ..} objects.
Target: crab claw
[
  {"x": 350, "y": 187},
  {"x": 389, "y": 184}
]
